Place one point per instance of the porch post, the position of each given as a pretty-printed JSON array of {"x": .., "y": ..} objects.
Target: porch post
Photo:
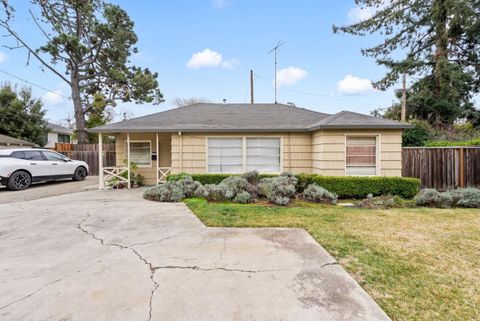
[
  {"x": 101, "y": 183},
  {"x": 128, "y": 159},
  {"x": 158, "y": 157}
]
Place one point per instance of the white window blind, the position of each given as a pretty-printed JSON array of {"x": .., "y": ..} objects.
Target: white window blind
[
  {"x": 139, "y": 153},
  {"x": 361, "y": 156},
  {"x": 263, "y": 155},
  {"x": 225, "y": 155}
]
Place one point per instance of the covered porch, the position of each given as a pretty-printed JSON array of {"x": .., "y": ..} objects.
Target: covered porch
[{"x": 150, "y": 152}]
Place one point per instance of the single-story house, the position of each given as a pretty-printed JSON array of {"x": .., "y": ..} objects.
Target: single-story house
[
  {"x": 57, "y": 134},
  {"x": 7, "y": 142},
  {"x": 270, "y": 138}
]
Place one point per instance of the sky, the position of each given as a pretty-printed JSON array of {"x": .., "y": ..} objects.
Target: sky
[{"x": 206, "y": 48}]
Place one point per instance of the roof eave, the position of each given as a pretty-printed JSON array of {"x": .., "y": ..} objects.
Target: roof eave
[
  {"x": 193, "y": 130},
  {"x": 399, "y": 126}
]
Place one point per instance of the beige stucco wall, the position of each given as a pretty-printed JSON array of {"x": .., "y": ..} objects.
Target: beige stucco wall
[
  {"x": 321, "y": 152},
  {"x": 297, "y": 151},
  {"x": 146, "y": 171},
  {"x": 328, "y": 147}
]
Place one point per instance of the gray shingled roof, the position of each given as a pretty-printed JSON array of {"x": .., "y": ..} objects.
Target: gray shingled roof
[
  {"x": 54, "y": 128},
  {"x": 348, "y": 119},
  {"x": 243, "y": 118},
  {"x": 7, "y": 140}
]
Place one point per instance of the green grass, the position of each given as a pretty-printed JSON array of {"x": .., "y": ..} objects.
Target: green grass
[{"x": 417, "y": 263}]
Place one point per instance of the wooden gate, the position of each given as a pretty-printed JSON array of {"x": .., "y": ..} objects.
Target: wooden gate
[
  {"x": 442, "y": 167},
  {"x": 89, "y": 154}
]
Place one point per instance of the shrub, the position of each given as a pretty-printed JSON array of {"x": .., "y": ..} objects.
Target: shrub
[
  {"x": 386, "y": 201},
  {"x": 201, "y": 192},
  {"x": 427, "y": 197},
  {"x": 172, "y": 191},
  {"x": 418, "y": 135},
  {"x": 239, "y": 184},
  {"x": 470, "y": 198},
  {"x": 318, "y": 194},
  {"x": 167, "y": 192},
  {"x": 360, "y": 187},
  {"x": 466, "y": 197},
  {"x": 243, "y": 198},
  {"x": 280, "y": 189},
  {"x": 214, "y": 178},
  {"x": 217, "y": 193}
]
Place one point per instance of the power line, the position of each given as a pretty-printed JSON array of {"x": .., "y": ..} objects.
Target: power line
[{"x": 33, "y": 84}]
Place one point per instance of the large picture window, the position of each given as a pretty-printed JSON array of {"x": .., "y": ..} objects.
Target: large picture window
[
  {"x": 225, "y": 155},
  {"x": 140, "y": 153},
  {"x": 361, "y": 156},
  {"x": 239, "y": 154},
  {"x": 263, "y": 154}
]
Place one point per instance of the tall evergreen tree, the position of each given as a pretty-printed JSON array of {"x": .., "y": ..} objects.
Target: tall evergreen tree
[
  {"x": 437, "y": 40},
  {"x": 22, "y": 116},
  {"x": 92, "y": 41}
]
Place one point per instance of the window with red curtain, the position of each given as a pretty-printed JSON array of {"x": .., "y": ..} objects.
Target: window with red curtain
[{"x": 361, "y": 156}]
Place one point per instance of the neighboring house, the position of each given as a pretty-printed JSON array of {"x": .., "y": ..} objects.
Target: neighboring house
[
  {"x": 270, "y": 138},
  {"x": 57, "y": 134},
  {"x": 10, "y": 142}
]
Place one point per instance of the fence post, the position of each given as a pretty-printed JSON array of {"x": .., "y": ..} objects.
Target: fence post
[{"x": 461, "y": 171}]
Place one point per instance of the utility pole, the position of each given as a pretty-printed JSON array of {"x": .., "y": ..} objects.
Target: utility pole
[
  {"x": 252, "y": 100},
  {"x": 403, "y": 115},
  {"x": 275, "y": 50}
]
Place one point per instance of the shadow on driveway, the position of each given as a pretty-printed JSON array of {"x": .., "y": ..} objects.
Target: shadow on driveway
[{"x": 48, "y": 189}]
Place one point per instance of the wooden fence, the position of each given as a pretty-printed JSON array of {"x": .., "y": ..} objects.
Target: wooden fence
[
  {"x": 89, "y": 154},
  {"x": 443, "y": 167}
]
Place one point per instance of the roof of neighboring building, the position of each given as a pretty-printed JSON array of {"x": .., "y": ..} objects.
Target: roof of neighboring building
[
  {"x": 54, "y": 128},
  {"x": 7, "y": 140},
  {"x": 207, "y": 117}
]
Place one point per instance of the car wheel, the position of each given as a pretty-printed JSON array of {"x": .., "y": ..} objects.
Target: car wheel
[
  {"x": 19, "y": 180},
  {"x": 80, "y": 174}
]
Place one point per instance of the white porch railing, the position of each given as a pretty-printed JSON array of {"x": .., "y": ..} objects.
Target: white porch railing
[
  {"x": 163, "y": 172},
  {"x": 114, "y": 173}
]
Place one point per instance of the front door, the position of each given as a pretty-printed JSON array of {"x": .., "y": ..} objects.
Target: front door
[{"x": 165, "y": 155}]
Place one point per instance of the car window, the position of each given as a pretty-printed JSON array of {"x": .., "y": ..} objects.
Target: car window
[
  {"x": 20, "y": 155},
  {"x": 33, "y": 155},
  {"x": 51, "y": 156}
]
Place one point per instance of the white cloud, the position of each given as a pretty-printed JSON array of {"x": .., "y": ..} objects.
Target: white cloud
[
  {"x": 353, "y": 85},
  {"x": 210, "y": 58},
  {"x": 53, "y": 98},
  {"x": 3, "y": 57},
  {"x": 290, "y": 76}
]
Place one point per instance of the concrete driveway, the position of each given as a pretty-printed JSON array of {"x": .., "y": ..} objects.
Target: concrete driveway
[
  {"x": 42, "y": 190},
  {"x": 114, "y": 256}
]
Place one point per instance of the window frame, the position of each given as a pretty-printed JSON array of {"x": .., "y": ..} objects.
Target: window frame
[
  {"x": 149, "y": 155},
  {"x": 377, "y": 152},
  {"x": 244, "y": 151}
]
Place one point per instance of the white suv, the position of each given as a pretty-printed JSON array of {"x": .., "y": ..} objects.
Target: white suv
[{"x": 21, "y": 167}]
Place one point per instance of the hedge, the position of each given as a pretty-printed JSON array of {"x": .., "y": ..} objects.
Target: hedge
[
  {"x": 360, "y": 187},
  {"x": 343, "y": 186}
]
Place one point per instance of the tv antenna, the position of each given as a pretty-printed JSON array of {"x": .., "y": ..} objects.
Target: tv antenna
[{"x": 275, "y": 50}]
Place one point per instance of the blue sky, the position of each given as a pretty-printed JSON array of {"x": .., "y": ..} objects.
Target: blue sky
[{"x": 205, "y": 48}]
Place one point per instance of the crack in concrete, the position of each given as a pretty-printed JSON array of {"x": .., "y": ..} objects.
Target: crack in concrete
[
  {"x": 329, "y": 263},
  {"x": 123, "y": 247},
  {"x": 199, "y": 268}
]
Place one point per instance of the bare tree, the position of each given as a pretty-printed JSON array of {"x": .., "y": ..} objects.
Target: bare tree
[{"x": 182, "y": 102}]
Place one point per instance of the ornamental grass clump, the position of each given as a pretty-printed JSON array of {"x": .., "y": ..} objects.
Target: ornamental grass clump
[{"x": 318, "y": 194}]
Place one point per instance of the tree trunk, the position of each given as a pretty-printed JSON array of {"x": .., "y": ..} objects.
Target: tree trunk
[
  {"x": 81, "y": 131},
  {"x": 441, "y": 53}
]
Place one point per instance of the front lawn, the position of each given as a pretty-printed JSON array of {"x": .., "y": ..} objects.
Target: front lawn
[{"x": 417, "y": 263}]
